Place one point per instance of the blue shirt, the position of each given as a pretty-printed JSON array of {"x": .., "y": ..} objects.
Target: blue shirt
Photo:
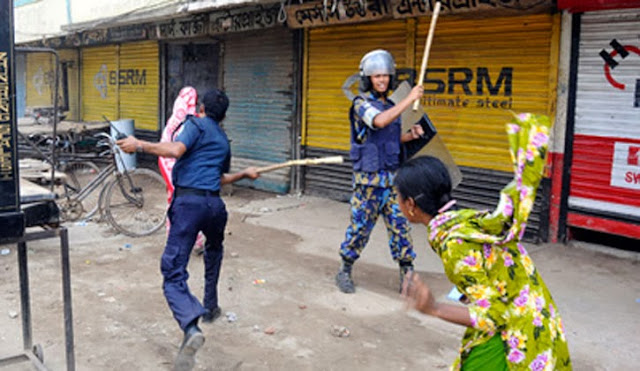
[{"x": 207, "y": 157}]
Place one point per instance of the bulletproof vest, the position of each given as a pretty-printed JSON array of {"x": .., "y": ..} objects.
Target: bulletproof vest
[{"x": 380, "y": 149}]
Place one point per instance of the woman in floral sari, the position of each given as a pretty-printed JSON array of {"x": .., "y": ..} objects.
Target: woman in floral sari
[{"x": 512, "y": 321}]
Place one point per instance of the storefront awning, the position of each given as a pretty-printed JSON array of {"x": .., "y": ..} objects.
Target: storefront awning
[
  {"x": 160, "y": 13},
  {"x": 579, "y": 6}
]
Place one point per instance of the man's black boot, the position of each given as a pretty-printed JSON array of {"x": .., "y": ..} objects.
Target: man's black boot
[
  {"x": 193, "y": 340},
  {"x": 344, "y": 280},
  {"x": 211, "y": 315}
]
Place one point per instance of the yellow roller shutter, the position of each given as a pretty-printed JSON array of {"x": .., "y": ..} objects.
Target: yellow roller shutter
[
  {"x": 99, "y": 83},
  {"x": 479, "y": 70},
  {"x": 40, "y": 81},
  {"x": 138, "y": 79},
  {"x": 334, "y": 54},
  {"x": 40, "y": 78}
]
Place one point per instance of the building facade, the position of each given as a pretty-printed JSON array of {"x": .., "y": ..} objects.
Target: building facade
[
  {"x": 288, "y": 70},
  {"x": 601, "y": 188},
  {"x": 132, "y": 67},
  {"x": 486, "y": 62}
]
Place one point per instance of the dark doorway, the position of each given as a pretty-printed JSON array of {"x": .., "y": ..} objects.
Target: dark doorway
[{"x": 191, "y": 64}]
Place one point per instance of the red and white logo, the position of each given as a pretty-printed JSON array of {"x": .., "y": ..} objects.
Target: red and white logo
[
  {"x": 625, "y": 169},
  {"x": 610, "y": 63},
  {"x": 632, "y": 158}
]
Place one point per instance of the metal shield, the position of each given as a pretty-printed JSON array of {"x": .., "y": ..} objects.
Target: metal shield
[{"x": 434, "y": 147}]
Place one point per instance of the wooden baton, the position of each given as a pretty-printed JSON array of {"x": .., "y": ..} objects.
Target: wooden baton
[
  {"x": 303, "y": 162},
  {"x": 427, "y": 48}
]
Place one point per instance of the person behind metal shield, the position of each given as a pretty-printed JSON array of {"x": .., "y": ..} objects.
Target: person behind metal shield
[{"x": 376, "y": 140}]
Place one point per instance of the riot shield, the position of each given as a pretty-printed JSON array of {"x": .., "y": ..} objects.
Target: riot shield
[{"x": 432, "y": 144}]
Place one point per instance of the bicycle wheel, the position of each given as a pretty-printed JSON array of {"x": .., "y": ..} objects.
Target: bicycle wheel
[
  {"x": 135, "y": 203},
  {"x": 77, "y": 176}
]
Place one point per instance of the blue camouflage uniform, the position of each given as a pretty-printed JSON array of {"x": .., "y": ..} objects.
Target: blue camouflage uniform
[
  {"x": 196, "y": 206},
  {"x": 376, "y": 156}
]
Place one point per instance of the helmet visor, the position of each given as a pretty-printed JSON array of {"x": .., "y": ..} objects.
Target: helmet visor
[{"x": 377, "y": 62}]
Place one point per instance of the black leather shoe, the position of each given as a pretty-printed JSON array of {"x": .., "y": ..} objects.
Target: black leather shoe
[
  {"x": 193, "y": 340},
  {"x": 211, "y": 315}
]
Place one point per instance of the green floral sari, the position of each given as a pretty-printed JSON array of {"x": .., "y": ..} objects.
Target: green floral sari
[{"x": 483, "y": 257}]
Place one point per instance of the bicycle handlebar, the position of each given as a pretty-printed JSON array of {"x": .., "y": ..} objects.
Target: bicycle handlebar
[{"x": 119, "y": 134}]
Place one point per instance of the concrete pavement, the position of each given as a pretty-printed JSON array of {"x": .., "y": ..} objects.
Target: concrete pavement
[{"x": 121, "y": 320}]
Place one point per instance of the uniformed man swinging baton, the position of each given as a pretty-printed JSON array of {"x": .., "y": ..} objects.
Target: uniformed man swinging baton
[{"x": 203, "y": 154}]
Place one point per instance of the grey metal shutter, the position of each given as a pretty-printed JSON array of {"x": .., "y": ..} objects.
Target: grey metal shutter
[{"x": 258, "y": 78}]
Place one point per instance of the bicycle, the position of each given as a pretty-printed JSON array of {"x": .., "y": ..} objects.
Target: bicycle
[
  {"x": 132, "y": 201},
  {"x": 69, "y": 143}
]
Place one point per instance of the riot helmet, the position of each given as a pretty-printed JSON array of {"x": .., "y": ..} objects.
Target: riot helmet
[{"x": 376, "y": 62}]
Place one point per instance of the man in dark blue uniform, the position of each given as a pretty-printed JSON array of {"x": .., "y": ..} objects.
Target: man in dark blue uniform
[{"x": 204, "y": 155}]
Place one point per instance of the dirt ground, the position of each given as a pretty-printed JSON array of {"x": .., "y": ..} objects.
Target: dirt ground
[{"x": 278, "y": 274}]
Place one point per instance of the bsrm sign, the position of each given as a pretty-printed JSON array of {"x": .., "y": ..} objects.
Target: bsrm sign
[{"x": 11, "y": 218}]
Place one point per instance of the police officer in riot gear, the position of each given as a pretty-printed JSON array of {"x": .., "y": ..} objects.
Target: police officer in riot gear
[{"x": 376, "y": 141}]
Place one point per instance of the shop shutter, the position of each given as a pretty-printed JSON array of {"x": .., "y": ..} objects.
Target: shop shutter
[
  {"x": 496, "y": 65},
  {"x": 509, "y": 55},
  {"x": 481, "y": 70},
  {"x": 40, "y": 74},
  {"x": 138, "y": 82},
  {"x": 70, "y": 59},
  {"x": 334, "y": 55},
  {"x": 258, "y": 78},
  {"x": 99, "y": 83},
  {"x": 605, "y": 171},
  {"x": 195, "y": 64},
  {"x": 40, "y": 79}
]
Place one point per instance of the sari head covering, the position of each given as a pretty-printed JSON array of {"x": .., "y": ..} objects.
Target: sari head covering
[{"x": 185, "y": 104}]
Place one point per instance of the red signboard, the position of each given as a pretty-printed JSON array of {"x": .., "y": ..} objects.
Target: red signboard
[
  {"x": 579, "y": 6},
  {"x": 605, "y": 178},
  {"x": 606, "y": 169}
]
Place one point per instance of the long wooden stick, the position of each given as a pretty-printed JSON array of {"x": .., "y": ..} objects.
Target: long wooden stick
[
  {"x": 427, "y": 48},
  {"x": 303, "y": 162}
]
